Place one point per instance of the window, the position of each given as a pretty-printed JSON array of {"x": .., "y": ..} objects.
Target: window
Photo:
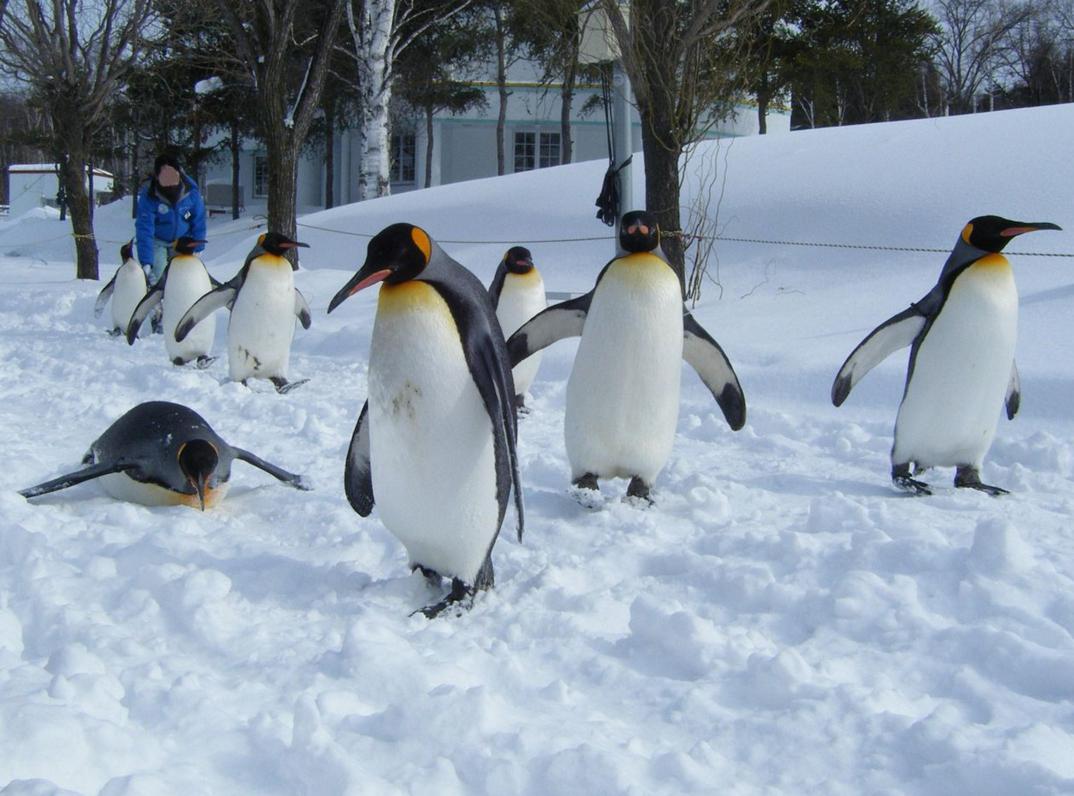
[
  {"x": 260, "y": 175},
  {"x": 536, "y": 150},
  {"x": 403, "y": 148}
]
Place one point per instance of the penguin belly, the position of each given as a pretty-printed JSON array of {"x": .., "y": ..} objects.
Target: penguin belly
[
  {"x": 122, "y": 487},
  {"x": 187, "y": 282},
  {"x": 431, "y": 443},
  {"x": 262, "y": 323},
  {"x": 521, "y": 298},
  {"x": 128, "y": 290},
  {"x": 623, "y": 391},
  {"x": 953, "y": 397}
]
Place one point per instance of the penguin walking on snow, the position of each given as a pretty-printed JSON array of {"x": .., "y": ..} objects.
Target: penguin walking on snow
[
  {"x": 264, "y": 303},
  {"x": 183, "y": 282},
  {"x": 162, "y": 454},
  {"x": 517, "y": 292},
  {"x": 961, "y": 337},
  {"x": 435, "y": 441},
  {"x": 126, "y": 288},
  {"x": 623, "y": 391}
]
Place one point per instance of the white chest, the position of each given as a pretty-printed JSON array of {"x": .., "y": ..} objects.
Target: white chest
[
  {"x": 522, "y": 297},
  {"x": 187, "y": 282},
  {"x": 128, "y": 290},
  {"x": 263, "y": 322}
]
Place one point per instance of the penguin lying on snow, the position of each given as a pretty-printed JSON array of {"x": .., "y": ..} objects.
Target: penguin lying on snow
[
  {"x": 126, "y": 288},
  {"x": 183, "y": 282},
  {"x": 517, "y": 292},
  {"x": 623, "y": 391},
  {"x": 962, "y": 368},
  {"x": 435, "y": 442},
  {"x": 263, "y": 302},
  {"x": 162, "y": 454}
]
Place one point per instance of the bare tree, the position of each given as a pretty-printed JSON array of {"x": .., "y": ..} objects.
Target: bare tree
[
  {"x": 380, "y": 31},
  {"x": 969, "y": 45},
  {"x": 284, "y": 47},
  {"x": 676, "y": 55},
  {"x": 73, "y": 56}
]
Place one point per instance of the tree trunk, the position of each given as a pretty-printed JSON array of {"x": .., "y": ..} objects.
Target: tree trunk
[
  {"x": 329, "y": 154},
  {"x": 236, "y": 148},
  {"x": 73, "y": 174},
  {"x": 428, "y": 146},
  {"x": 763, "y": 98},
  {"x": 662, "y": 199},
  {"x": 566, "y": 103},
  {"x": 282, "y": 155},
  {"x": 373, "y": 42},
  {"x": 501, "y": 88}
]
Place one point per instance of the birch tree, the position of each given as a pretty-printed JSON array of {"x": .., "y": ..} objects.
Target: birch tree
[
  {"x": 284, "y": 47},
  {"x": 380, "y": 31},
  {"x": 73, "y": 56}
]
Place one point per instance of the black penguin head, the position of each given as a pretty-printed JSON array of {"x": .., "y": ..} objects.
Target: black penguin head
[
  {"x": 395, "y": 254},
  {"x": 992, "y": 233},
  {"x": 518, "y": 260},
  {"x": 126, "y": 251},
  {"x": 639, "y": 232},
  {"x": 277, "y": 243},
  {"x": 185, "y": 245},
  {"x": 197, "y": 460}
]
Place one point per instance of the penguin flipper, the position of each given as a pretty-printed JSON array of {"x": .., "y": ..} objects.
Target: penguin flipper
[
  {"x": 204, "y": 307},
  {"x": 566, "y": 319},
  {"x": 1014, "y": 393},
  {"x": 496, "y": 288},
  {"x": 896, "y": 332},
  {"x": 295, "y": 480},
  {"x": 77, "y": 477},
  {"x": 302, "y": 310},
  {"x": 103, "y": 296},
  {"x": 706, "y": 357},
  {"x": 357, "y": 473},
  {"x": 145, "y": 306}
]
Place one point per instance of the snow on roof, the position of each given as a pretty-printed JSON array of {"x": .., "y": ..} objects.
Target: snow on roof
[{"x": 48, "y": 168}]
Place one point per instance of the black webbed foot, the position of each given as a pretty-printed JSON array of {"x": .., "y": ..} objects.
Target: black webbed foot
[
  {"x": 900, "y": 476},
  {"x": 970, "y": 478},
  {"x": 115, "y": 332},
  {"x": 432, "y": 577},
  {"x": 203, "y": 362},
  {"x": 461, "y": 596},
  {"x": 283, "y": 386},
  {"x": 638, "y": 491}
]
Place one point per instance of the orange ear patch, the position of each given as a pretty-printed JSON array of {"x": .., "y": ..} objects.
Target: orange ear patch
[
  {"x": 966, "y": 232},
  {"x": 421, "y": 240}
]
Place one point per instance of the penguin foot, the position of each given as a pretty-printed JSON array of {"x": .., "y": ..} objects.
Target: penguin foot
[
  {"x": 283, "y": 386},
  {"x": 432, "y": 577},
  {"x": 115, "y": 332},
  {"x": 637, "y": 493},
  {"x": 970, "y": 478},
  {"x": 461, "y": 597},
  {"x": 203, "y": 362},
  {"x": 520, "y": 405},
  {"x": 586, "y": 491},
  {"x": 900, "y": 476}
]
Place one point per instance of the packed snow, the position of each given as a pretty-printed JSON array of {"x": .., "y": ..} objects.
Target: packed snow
[{"x": 782, "y": 621}]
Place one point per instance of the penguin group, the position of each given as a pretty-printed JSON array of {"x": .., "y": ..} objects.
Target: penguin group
[{"x": 450, "y": 363}]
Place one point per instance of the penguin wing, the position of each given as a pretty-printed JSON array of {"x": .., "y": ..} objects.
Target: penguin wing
[
  {"x": 103, "y": 296},
  {"x": 1014, "y": 392},
  {"x": 706, "y": 357},
  {"x": 496, "y": 288},
  {"x": 77, "y": 477},
  {"x": 145, "y": 306},
  {"x": 486, "y": 359},
  {"x": 201, "y": 309},
  {"x": 302, "y": 310},
  {"x": 357, "y": 473},
  {"x": 566, "y": 319},
  {"x": 297, "y": 481},
  {"x": 896, "y": 332}
]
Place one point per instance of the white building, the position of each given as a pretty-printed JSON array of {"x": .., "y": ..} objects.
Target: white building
[
  {"x": 464, "y": 145},
  {"x": 33, "y": 185}
]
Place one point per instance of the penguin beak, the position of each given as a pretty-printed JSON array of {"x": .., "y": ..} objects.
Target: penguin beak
[
  {"x": 201, "y": 486},
  {"x": 1021, "y": 227},
  {"x": 366, "y": 276},
  {"x": 288, "y": 244}
]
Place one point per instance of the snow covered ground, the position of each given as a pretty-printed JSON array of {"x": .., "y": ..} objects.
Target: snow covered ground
[{"x": 781, "y": 622}]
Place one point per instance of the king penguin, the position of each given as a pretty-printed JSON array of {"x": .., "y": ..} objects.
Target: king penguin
[
  {"x": 183, "y": 282},
  {"x": 961, "y": 337},
  {"x": 126, "y": 288},
  {"x": 435, "y": 441},
  {"x": 263, "y": 302},
  {"x": 623, "y": 391},
  {"x": 517, "y": 292},
  {"x": 162, "y": 454}
]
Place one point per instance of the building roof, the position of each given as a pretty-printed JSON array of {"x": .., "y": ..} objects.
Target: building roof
[{"x": 48, "y": 168}]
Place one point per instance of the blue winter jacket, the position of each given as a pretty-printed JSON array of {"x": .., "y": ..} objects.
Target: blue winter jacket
[{"x": 159, "y": 219}]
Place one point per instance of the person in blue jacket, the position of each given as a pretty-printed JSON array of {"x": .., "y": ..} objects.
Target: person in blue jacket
[{"x": 169, "y": 207}]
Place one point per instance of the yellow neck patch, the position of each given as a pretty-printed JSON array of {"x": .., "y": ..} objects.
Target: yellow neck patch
[
  {"x": 407, "y": 296},
  {"x": 992, "y": 261}
]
